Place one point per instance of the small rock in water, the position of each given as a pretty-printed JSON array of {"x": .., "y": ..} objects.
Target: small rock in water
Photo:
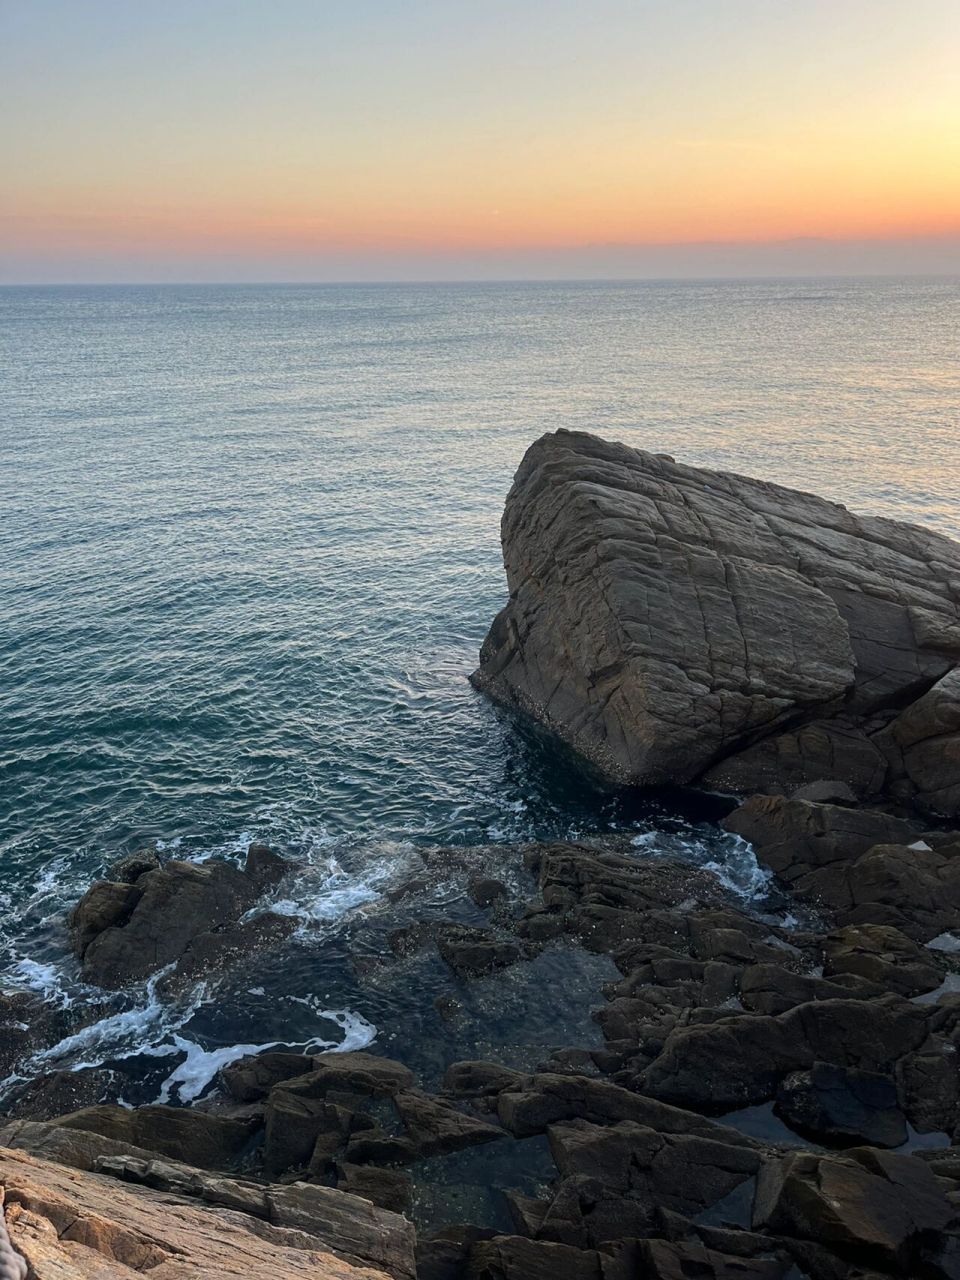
[
  {"x": 486, "y": 892},
  {"x": 471, "y": 952},
  {"x": 134, "y": 865}
]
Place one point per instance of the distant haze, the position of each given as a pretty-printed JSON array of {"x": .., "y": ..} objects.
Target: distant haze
[{"x": 311, "y": 140}]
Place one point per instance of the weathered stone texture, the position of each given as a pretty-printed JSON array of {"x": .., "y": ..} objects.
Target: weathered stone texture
[{"x": 671, "y": 623}]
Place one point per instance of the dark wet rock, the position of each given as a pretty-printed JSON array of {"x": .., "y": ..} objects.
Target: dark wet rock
[
  {"x": 473, "y": 1079},
  {"x": 106, "y": 905},
  {"x": 572, "y": 1061},
  {"x": 869, "y": 867},
  {"x": 842, "y": 1106},
  {"x": 913, "y": 889},
  {"x": 181, "y": 912},
  {"x": 804, "y": 843},
  {"x": 448, "y": 1007},
  {"x": 378, "y": 1146},
  {"x": 309, "y": 1118},
  {"x": 209, "y": 1142},
  {"x": 364, "y": 1073},
  {"x": 539, "y": 926},
  {"x": 515, "y": 1258},
  {"x": 840, "y": 747},
  {"x": 128, "y": 870},
  {"x": 669, "y": 1260},
  {"x": 740, "y": 1060},
  {"x": 264, "y": 867},
  {"x": 773, "y": 989},
  {"x": 663, "y": 618},
  {"x": 685, "y": 1173},
  {"x": 527, "y": 1213},
  {"x": 411, "y": 938},
  {"x": 443, "y": 1255},
  {"x": 387, "y": 1188},
  {"x": 875, "y": 1208},
  {"x": 218, "y": 950},
  {"x": 549, "y": 1099},
  {"x": 825, "y": 792},
  {"x": 943, "y": 1161},
  {"x": 471, "y": 952},
  {"x": 293, "y": 1125},
  {"x": 250, "y": 1079},
  {"x": 485, "y": 892},
  {"x": 361, "y": 1109},
  {"x": 922, "y": 746},
  {"x": 613, "y": 901},
  {"x": 436, "y": 1127},
  {"x": 928, "y": 1085},
  {"x": 57, "y": 1092},
  {"x": 29, "y": 1023},
  {"x": 882, "y": 955}
]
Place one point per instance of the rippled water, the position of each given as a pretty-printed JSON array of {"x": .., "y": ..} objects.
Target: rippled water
[{"x": 249, "y": 549}]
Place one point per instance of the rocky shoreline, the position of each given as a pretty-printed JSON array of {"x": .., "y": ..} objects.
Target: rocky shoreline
[{"x": 772, "y": 1087}]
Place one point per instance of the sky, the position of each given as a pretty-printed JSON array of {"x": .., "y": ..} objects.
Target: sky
[{"x": 219, "y": 140}]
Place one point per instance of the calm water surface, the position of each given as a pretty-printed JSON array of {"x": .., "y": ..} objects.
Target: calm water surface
[{"x": 249, "y": 550}]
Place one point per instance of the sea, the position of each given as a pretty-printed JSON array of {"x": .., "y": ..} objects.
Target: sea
[{"x": 249, "y": 549}]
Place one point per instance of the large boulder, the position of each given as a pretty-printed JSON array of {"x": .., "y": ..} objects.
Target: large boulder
[{"x": 663, "y": 619}]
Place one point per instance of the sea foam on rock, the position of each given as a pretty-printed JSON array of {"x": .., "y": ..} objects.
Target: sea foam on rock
[{"x": 674, "y": 624}]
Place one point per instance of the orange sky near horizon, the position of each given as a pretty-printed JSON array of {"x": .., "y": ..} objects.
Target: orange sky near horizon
[{"x": 233, "y": 134}]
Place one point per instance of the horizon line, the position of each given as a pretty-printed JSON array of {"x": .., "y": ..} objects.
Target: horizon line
[{"x": 472, "y": 280}]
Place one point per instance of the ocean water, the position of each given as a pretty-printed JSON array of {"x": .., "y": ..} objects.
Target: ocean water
[{"x": 249, "y": 549}]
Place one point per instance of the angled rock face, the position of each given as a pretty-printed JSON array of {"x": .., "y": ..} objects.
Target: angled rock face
[
  {"x": 663, "y": 620},
  {"x": 87, "y": 1226}
]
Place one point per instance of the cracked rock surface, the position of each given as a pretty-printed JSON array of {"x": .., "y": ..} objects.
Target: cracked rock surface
[{"x": 670, "y": 624}]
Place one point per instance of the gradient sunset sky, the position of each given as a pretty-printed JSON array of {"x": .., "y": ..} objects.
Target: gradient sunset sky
[{"x": 383, "y": 139}]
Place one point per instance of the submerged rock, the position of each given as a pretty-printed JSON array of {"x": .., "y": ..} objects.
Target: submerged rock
[
  {"x": 664, "y": 619},
  {"x": 470, "y": 951}
]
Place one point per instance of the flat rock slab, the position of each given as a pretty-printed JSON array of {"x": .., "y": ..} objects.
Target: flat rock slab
[
  {"x": 86, "y": 1226},
  {"x": 663, "y": 619}
]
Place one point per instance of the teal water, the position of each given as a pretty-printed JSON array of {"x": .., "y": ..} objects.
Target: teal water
[{"x": 249, "y": 550}]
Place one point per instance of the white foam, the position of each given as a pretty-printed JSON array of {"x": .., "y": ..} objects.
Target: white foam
[
  {"x": 200, "y": 1066},
  {"x": 729, "y": 857},
  {"x": 323, "y": 891},
  {"x": 45, "y": 979},
  {"x": 125, "y": 1034}
]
